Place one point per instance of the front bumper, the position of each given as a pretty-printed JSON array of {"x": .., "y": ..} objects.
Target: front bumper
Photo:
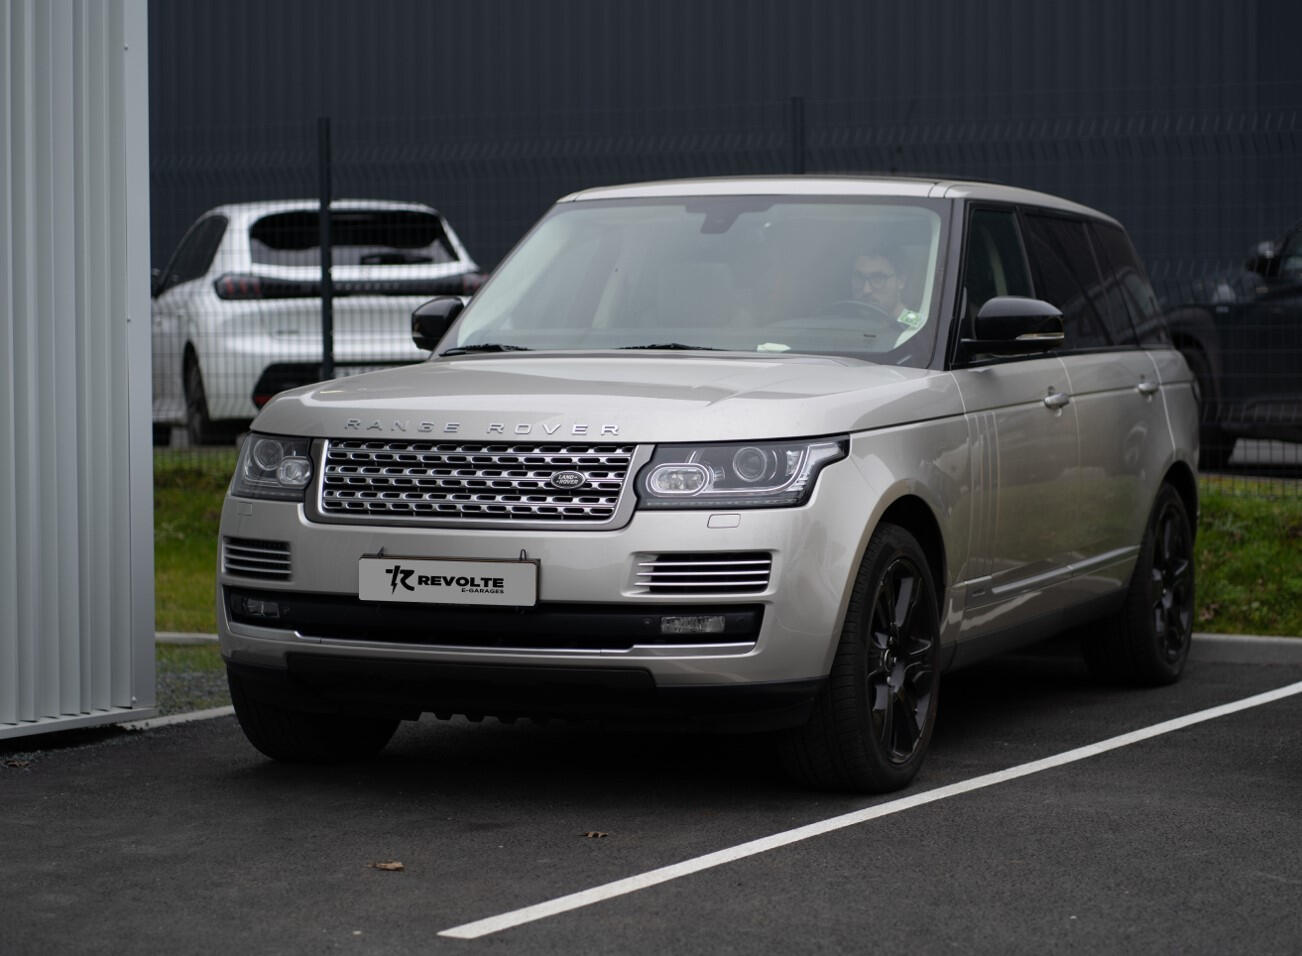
[{"x": 593, "y": 614}]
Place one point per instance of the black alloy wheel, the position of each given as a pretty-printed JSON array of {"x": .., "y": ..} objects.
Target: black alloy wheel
[
  {"x": 901, "y": 676},
  {"x": 872, "y": 722},
  {"x": 1172, "y": 578},
  {"x": 1147, "y": 641}
]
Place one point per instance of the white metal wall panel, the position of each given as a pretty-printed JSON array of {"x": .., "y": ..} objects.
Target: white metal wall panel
[{"x": 76, "y": 522}]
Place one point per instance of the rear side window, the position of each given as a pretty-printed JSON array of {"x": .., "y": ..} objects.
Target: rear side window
[
  {"x": 1129, "y": 281},
  {"x": 1067, "y": 276},
  {"x": 195, "y": 253},
  {"x": 357, "y": 238},
  {"x": 1290, "y": 257},
  {"x": 994, "y": 264}
]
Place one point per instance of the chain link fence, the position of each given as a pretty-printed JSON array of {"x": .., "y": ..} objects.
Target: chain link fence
[{"x": 426, "y": 206}]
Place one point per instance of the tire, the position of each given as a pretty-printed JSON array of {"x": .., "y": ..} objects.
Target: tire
[
  {"x": 162, "y": 435},
  {"x": 198, "y": 425},
  {"x": 872, "y": 722},
  {"x": 1147, "y": 641},
  {"x": 1214, "y": 446},
  {"x": 295, "y": 736}
]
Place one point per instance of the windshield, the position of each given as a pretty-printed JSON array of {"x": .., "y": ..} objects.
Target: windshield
[{"x": 740, "y": 273}]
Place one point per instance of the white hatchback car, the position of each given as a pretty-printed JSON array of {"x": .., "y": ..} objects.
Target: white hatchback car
[
  {"x": 768, "y": 454},
  {"x": 237, "y": 313}
]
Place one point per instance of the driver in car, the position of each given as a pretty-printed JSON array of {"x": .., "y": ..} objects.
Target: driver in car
[{"x": 878, "y": 282}]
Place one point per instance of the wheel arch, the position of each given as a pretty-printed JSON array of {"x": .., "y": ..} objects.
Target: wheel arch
[
  {"x": 1196, "y": 334},
  {"x": 1182, "y": 478},
  {"x": 914, "y": 515}
]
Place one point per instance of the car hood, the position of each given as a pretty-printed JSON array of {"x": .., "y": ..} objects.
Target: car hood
[{"x": 645, "y": 398}]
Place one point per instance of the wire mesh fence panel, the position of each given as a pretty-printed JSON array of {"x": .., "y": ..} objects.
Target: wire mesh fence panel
[{"x": 423, "y": 206}]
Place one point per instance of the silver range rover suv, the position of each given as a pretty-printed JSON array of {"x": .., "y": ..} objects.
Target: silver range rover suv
[{"x": 760, "y": 454}]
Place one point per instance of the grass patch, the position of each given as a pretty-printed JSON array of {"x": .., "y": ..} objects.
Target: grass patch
[
  {"x": 188, "y": 658},
  {"x": 1249, "y": 545},
  {"x": 1248, "y": 555},
  {"x": 189, "y": 485}
]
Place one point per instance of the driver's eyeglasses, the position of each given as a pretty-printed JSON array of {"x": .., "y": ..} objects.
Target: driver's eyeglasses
[{"x": 874, "y": 279}]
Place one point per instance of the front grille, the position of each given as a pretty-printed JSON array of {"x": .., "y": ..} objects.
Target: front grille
[
  {"x": 253, "y": 558},
  {"x": 744, "y": 572},
  {"x": 407, "y": 480}
]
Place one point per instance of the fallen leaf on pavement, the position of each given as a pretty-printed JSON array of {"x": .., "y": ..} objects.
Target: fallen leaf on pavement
[
  {"x": 595, "y": 834},
  {"x": 392, "y": 865}
]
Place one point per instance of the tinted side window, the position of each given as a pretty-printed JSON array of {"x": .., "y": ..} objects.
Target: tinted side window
[
  {"x": 1290, "y": 257},
  {"x": 1127, "y": 276},
  {"x": 1066, "y": 276},
  {"x": 993, "y": 263},
  {"x": 195, "y": 253}
]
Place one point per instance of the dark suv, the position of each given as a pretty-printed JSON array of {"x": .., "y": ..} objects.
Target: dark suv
[{"x": 1242, "y": 337}]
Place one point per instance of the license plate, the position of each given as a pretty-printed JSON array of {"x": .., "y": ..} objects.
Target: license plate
[{"x": 439, "y": 581}]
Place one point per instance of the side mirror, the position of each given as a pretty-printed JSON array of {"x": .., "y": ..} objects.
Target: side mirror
[
  {"x": 433, "y": 318},
  {"x": 1014, "y": 325},
  {"x": 155, "y": 282},
  {"x": 1264, "y": 259}
]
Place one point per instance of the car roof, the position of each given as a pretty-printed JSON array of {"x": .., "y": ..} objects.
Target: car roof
[
  {"x": 243, "y": 211},
  {"x": 919, "y": 186}
]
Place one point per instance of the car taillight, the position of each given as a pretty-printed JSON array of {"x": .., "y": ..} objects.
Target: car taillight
[
  {"x": 233, "y": 286},
  {"x": 239, "y": 285},
  {"x": 236, "y": 285}
]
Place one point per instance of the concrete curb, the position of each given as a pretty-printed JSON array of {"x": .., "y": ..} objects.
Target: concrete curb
[
  {"x": 1245, "y": 649},
  {"x": 180, "y": 637},
  {"x": 1213, "y": 648}
]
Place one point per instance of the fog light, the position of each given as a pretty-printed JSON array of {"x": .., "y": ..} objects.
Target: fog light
[
  {"x": 254, "y": 607},
  {"x": 697, "y": 624}
]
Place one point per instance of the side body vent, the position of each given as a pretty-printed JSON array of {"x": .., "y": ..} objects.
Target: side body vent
[
  {"x": 742, "y": 572},
  {"x": 252, "y": 558}
]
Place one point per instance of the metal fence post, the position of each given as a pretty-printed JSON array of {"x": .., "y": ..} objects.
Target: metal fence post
[
  {"x": 798, "y": 134},
  {"x": 327, "y": 288}
]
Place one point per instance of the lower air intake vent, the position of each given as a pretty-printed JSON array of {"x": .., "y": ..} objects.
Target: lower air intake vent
[
  {"x": 252, "y": 558},
  {"x": 745, "y": 572}
]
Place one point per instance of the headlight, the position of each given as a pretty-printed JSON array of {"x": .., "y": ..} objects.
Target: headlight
[
  {"x": 272, "y": 466},
  {"x": 738, "y": 475}
]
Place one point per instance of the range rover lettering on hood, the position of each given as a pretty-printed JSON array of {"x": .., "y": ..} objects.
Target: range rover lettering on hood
[{"x": 425, "y": 427}]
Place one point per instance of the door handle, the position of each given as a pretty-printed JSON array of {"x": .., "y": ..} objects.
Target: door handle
[
  {"x": 1147, "y": 389},
  {"x": 1056, "y": 400}
]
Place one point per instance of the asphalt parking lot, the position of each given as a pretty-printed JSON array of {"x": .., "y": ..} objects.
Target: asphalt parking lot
[{"x": 183, "y": 839}]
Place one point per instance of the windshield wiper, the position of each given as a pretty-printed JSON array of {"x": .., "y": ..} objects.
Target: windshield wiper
[
  {"x": 486, "y": 347},
  {"x": 675, "y": 346}
]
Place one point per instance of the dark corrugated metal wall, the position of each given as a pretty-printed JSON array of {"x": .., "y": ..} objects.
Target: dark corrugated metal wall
[{"x": 1181, "y": 117}]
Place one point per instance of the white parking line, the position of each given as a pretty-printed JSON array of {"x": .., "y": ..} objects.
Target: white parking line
[
  {"x": 185, "y": 718},
  {"x": 597, "y": 894}
]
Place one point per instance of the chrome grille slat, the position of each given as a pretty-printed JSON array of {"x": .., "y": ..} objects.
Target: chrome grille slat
[
  {"x": 253, "y": 558},
  {"x": 449, "y": 480},
  {"x": 729, "y": 573}
]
